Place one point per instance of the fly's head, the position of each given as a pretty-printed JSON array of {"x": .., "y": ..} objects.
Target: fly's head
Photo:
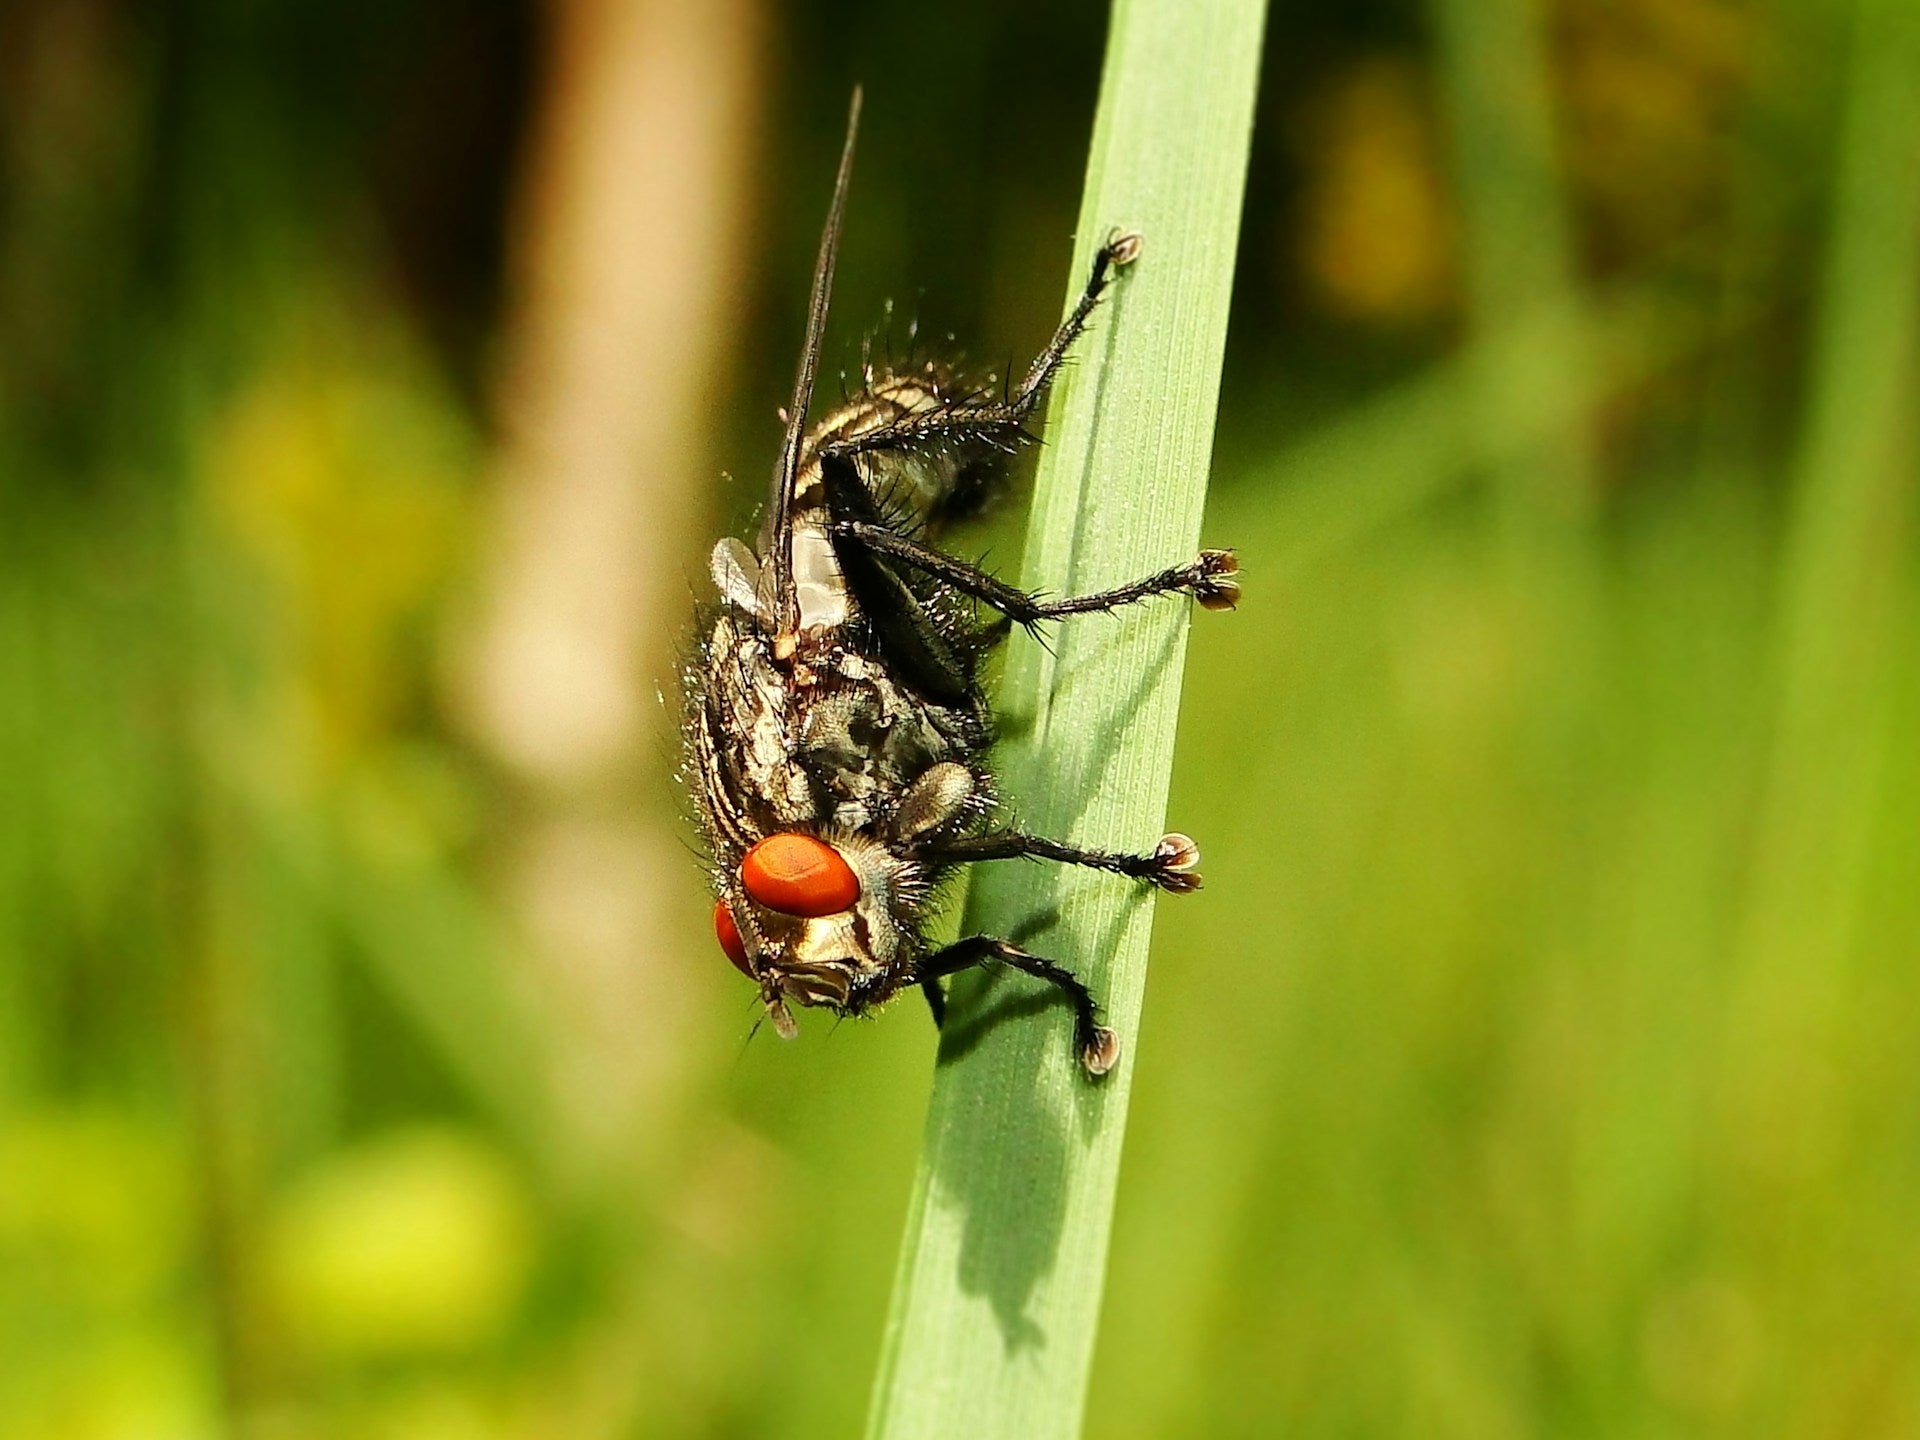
[{"x": 811, "y": 922}]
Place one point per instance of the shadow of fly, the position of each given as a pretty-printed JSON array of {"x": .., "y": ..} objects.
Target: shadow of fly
[{"x": 836, "y": 732}]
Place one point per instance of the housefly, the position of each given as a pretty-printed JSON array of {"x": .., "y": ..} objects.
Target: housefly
[{"x": 836, "y": 732}]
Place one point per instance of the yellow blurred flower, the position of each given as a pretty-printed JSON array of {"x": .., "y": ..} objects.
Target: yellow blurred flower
[
  {"x": 1376, "y": 228},
  {"x": 418, "y": 1243},
  {"x": 1651, "y": 92},
  {"x": 93, "y": 1209},
  {"x": 342, "y": 475}
]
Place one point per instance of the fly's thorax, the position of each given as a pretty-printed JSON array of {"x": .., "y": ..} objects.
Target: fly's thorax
[{"x": 829, "y": 736}]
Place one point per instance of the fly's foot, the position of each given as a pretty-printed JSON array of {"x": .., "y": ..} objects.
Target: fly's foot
[
  {"x": 1175, "y": 865},
  {"x": 1214, "y": 584},
  {"x": 1099, "y": 1051},
  {"x": 1123, "y": 247}
]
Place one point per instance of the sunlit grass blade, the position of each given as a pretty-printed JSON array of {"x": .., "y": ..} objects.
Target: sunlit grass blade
[{"x": 998, "y": 1292}]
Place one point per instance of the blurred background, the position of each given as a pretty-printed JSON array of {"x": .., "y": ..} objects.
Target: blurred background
[{"x": 1544, "y": 1055}]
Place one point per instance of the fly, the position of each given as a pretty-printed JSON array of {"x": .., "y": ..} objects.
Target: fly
[{"x": 836, "y": 732}]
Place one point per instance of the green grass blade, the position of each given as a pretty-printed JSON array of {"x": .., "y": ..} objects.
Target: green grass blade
[
  {"x": 1519, "y": 253},
  {"x": 1843, "y": 569},
  {"x": 1379, "y": 461},
  {"x": 997, "y": 1298}
]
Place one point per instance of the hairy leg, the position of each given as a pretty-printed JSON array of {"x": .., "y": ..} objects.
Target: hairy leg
[
  {"x": 1208, "y": 578},
  {"x": 1098, "y": 1046},
  {"x": 999, "y": 421},
  {"x": 1171, "y": 866}
]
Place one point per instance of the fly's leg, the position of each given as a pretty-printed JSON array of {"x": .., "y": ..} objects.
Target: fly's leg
[
  {"x": 1173, "y": 865},
  {"x": 999, "y": 422},
  {"x": 1209, "y": 578},
  {"x": 1120, "y": 250},
  {"x": 1098, "y": 1047}
]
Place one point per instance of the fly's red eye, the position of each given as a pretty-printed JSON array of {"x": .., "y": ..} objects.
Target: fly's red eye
[
  {"x": 799, "y": 875},
  {"x": 728, "y": 934}
]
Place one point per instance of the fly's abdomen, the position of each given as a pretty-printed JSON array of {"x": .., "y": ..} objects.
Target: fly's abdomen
[{"x": 915, "y": 487}]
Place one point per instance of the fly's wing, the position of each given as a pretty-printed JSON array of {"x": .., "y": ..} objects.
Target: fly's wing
[{"x": 786, "y": 474}]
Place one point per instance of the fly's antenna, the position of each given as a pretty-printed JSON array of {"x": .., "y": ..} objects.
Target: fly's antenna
[{"x": 786, "y": 476}]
